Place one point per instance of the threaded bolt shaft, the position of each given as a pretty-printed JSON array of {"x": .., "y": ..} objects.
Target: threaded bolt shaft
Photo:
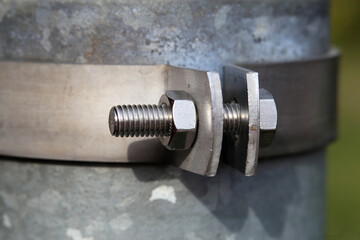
[
  {"x": 140, "y": 120},
  {"x": 156, "y": 120},
  {"x": 231, "y": 118}
]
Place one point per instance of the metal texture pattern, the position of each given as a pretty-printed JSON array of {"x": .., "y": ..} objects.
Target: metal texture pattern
[
  {"x": 203, "y": 34},
  {"x": 43, "y": 200}
]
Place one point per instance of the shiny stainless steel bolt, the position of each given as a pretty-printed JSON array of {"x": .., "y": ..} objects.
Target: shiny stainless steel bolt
[
  {"x": 232, "y": 118},
  {"x": 174, "y": 119},
  {"x": 140, "y": 120}
]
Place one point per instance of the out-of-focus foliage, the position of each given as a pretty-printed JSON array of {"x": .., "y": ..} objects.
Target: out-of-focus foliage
[
  {"x": 343, "y": 169},
  {"x": 345, "y": 21}
]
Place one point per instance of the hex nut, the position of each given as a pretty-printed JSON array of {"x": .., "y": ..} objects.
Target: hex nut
[
  {"x": 268, "y": 118},
  {"x": 184, "y": 120}
]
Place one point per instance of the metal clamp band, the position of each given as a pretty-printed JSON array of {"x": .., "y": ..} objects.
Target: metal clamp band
[{"x": 57, "y": 110}]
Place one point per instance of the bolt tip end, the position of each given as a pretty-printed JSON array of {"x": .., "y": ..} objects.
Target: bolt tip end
[{"x": 113, "y": 122}]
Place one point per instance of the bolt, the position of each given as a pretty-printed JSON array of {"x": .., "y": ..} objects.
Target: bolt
[
  {"x": 156, "y": 120},
  {"x": 161, "y": 120},
  {"x": 232, "y": 118},
  {"x": 268, "y": 118},
  {"x": 140, "y": 120},
  {"x": 174, "y": 120}
]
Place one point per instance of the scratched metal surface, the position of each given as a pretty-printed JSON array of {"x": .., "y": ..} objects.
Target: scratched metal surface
[
  {"x": 58, "y": 201},
  {"x": 196, "y": 34}
]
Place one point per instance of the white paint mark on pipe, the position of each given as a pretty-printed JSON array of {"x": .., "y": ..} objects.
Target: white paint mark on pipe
[
  {"x": 75, "y": 234},
  {"x": 4, "y": 8},
  {"x": 192, "y": 236},
  {"x": 231, "y": 237},
  {"x": 163, "y": 192},
  {"x": 6, "y": 221},
  {"x": 9, "y": 200},
  {"x": 45, "y": 39},
  {"x": 121, "y": 223},
  {"x": 221, "y": 16}
]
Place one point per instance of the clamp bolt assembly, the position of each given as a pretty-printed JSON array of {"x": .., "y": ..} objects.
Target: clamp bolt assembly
[
  {"x": 174, "y": 119},
  {"x": 193, "y": 117}
]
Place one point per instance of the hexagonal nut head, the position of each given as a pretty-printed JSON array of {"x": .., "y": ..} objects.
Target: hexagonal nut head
[
  {"x": 268, "y": 118},
  {"x": 184, "y": 120}
]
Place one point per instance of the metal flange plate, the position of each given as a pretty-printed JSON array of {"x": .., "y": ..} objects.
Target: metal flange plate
[
  {"x": 242, "y": 86},
  {"x": 205, "y": 88}
]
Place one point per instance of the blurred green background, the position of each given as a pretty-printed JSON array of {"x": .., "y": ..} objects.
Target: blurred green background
[{"x": 343, "y": 166}]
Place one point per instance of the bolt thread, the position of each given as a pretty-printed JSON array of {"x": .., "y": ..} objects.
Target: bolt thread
[
  {"x": 156, "y": 120},
  {"x": 231, "y": 118},
  {"x": 140, "y": 120}
]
